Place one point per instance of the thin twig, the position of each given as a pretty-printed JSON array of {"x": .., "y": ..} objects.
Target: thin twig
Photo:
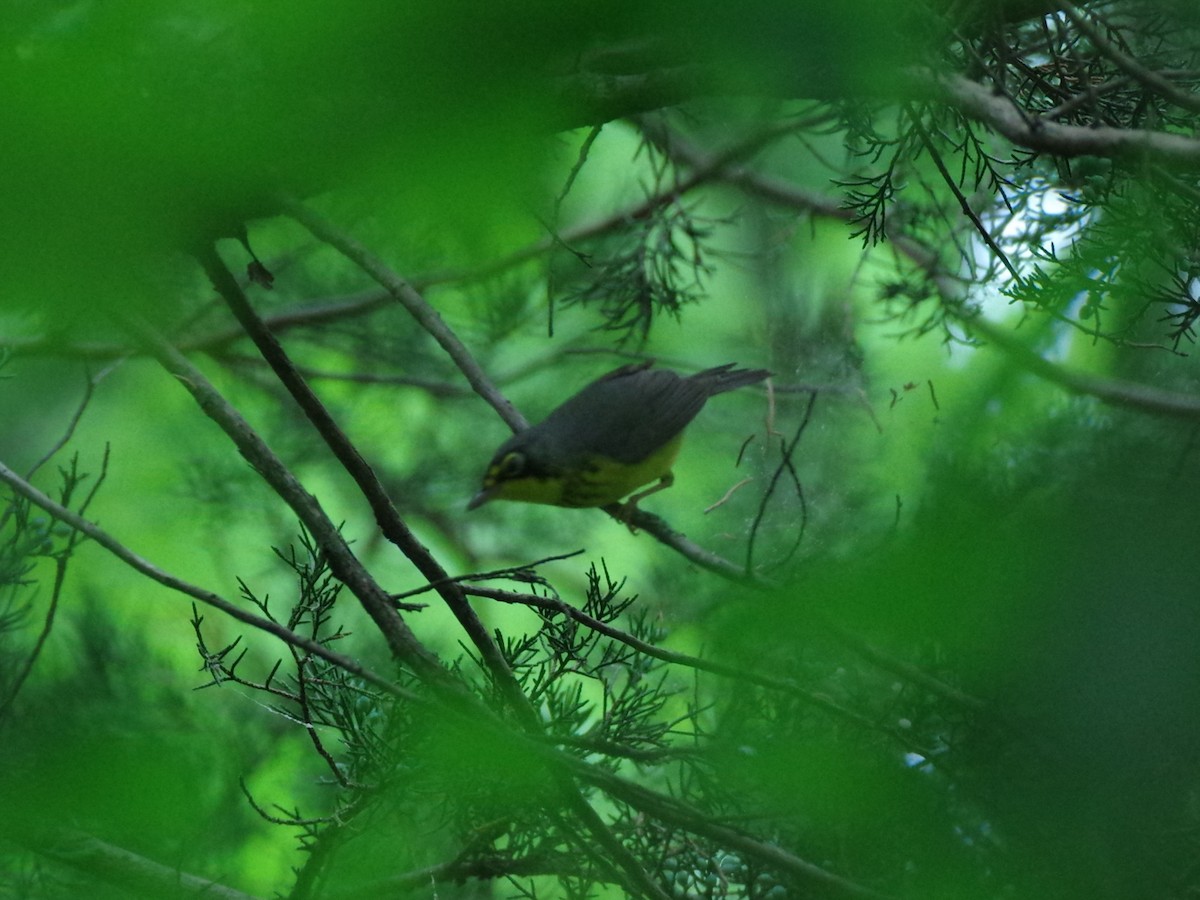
[
  {"x": 410, "y": 298},
  {"x": 732, "y": 490},
  {"x": 785, "y": 465},
  {"x": 290, "y": 821},
  {"x": 61, "y": 561},
  {"x": 963, "y": 203},
  {"x": 522, "y": 572},
  {"x": 89, "y": 389}
]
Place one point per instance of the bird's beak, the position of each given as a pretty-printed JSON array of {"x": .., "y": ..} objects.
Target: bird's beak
[{"x": 482, "y": 497}]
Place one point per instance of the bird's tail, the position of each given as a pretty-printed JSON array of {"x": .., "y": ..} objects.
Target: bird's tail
[{"x": 726, "y": 378}]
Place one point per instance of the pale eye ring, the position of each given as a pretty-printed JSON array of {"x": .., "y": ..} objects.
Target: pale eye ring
[{"x": 511, "y": 465}]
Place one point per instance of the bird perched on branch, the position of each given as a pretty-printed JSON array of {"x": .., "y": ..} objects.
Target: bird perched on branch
[{"x": 619, "y": 433}]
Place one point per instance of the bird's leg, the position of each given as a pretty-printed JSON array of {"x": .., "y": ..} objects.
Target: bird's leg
[{"x": 629, "y": 507}]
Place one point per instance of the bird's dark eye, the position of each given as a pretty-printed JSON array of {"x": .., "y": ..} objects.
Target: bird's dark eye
[{"x": 512, "y": 465}]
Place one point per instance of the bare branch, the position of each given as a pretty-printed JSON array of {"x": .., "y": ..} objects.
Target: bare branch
[
  {"x": 410, "y": 298},
  {"x": 401, "y": 641},
  {"x": 1038, "y": 133}
]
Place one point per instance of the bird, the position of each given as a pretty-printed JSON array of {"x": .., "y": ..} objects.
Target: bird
[{"x": 621, "y": 432}]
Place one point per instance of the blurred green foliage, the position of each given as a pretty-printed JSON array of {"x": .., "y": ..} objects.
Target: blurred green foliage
[{"x": 969, "y": 668}]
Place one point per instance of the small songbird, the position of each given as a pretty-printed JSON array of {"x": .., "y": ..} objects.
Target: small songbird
[{"x": 619, "y": 433}]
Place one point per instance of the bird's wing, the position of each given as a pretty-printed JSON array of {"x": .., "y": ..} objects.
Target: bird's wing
[{"x": 627, "y": 414}]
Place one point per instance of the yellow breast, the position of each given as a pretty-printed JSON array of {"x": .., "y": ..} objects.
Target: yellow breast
[{"x": 598, "y": 482}]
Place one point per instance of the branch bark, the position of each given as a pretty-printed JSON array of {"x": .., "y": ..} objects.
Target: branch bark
[{"x": 1034, "y": 132}]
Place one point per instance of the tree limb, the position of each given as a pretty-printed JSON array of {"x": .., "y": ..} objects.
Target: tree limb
[
  {"x": 342, "y": 561},
  {"x": 1035, "y": 132}
]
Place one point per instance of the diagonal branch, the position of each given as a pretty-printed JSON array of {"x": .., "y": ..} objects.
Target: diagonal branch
[
  {"x": 395, "y": 530},
  {"x": 963, "y": 203},
  {"x": 1128, "y": 394},
  {"x": 388, "y": 518},
  {"x": 342, "y": 562},
  {"x": 139, "y": 564},
  {"x": 410, "y": 298},
  {"x": 701, "y": 823}
]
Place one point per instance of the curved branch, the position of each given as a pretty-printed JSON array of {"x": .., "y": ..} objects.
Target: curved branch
[
  {"x": 1128, "y": 394},
  {"x": 208, "y": 598},
  {"x": 342, "y": 561},
  {"x": 1036, "y": 132},
  {"x": 1119, "y": 393}
]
